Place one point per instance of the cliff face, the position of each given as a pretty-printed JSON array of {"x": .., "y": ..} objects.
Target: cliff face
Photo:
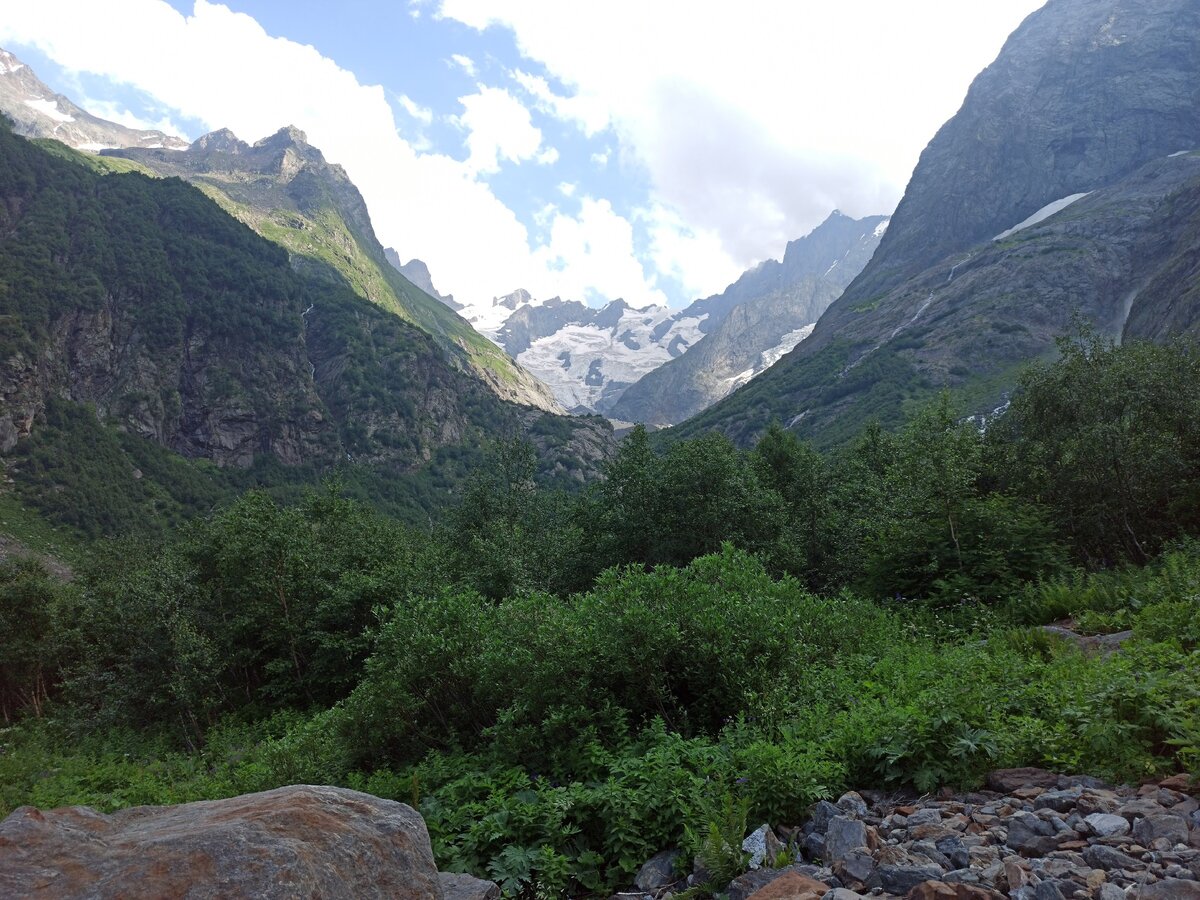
[
  {"x": 1063, "y": 187},
  {"x": 1082, "y": 94}
]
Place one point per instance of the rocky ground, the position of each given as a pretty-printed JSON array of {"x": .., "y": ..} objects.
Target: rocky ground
[{"x": 1032, "y": 835}]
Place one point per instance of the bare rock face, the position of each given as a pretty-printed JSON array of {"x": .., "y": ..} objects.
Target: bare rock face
[{"x": 299, "y": 841}]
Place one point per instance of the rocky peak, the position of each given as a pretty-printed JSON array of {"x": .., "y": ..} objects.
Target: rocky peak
[
  {"x": 220, "y": 141},
  {"x": 519, "y": 297},
  {"x": 9, "y": 64}
]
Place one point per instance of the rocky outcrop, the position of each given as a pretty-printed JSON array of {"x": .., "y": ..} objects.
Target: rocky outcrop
[
  {"x": 1032, "y": 835},
  {"x": 299, "y": 841}
]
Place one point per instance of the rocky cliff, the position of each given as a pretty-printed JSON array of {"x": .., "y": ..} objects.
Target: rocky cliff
[{"x": 1063, "y": 187}]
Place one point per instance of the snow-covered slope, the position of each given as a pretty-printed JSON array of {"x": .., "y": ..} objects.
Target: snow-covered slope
[
  {"x": 587, "y": 356},
  {"x": 779, "y": 302}
]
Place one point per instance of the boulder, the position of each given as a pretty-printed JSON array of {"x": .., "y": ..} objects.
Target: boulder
[
  {"x": 290, "y": 842},
  {"x": 843, "y": 836},
  {"x": 1107, "y": 825},
  {"x": 762, "y": 845},
  {"x": 658, "y": 872},
  {"x": 752, "y": 884},
  {"x": 1005, "y": 781},
  {"x": 467, "y": 887}
]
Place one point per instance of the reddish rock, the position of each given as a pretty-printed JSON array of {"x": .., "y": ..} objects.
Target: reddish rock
[
  {"x": 940, "y": 890},
  {"x": 299, "y": 841},
  {"x": 792, "y": 886},
  {"x": 1183, "y": 783},
  {"x": 1006, "y": 781}
]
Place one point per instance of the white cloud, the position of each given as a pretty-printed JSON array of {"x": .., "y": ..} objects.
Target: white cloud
[
  {"x": 586, "y": 112},
  {"x": 594, "y": 247},
  {"x": 548, "y": 157},
  {"x": 694, "y": 258},
  {"x": 221, "y": 69},
  {"x": 114, "y": 112},
  {"x": 498, "y": 128},
  {"x": 465, "y": 63},
  {"x": 755, "y": 119},
  {"x": 567, "y": 188},
  {"x": 600, "y": 158},
  {"x": 422, "y": 114}
]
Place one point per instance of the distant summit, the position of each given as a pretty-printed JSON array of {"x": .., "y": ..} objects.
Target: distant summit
[{"x": 38, "y": 112}]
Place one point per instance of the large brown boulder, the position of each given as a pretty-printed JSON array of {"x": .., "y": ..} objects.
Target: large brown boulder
[{"x": 299, "y": 841}]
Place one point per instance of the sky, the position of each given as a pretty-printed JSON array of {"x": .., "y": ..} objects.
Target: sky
[{"x": 645, "y": 149}]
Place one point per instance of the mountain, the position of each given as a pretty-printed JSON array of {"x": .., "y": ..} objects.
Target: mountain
[
  {"x": 778, "y": 304},
  {"x": 592, "y": 357},
  {"x": 39, "y": 112},
  {"x": 144, "y": 331},
  {"x": 283, "y": 188},
  {"x": 418, "y": 273},
  {"x": 587, "y": 356},
  {"x": 1063, "y": 187}
]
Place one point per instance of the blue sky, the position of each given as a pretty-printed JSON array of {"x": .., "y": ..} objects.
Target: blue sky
[{"x": 649, "y": 150}]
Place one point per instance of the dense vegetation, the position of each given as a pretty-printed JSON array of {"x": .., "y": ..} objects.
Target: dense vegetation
[
  {"x": 140, "y": 323},
  {"x": 564, "y": 684}
]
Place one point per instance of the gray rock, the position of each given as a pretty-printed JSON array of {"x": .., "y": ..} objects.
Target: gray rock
[
  {"x": 822, "y": 813},
  {"x": 1059, "y": 801},
  {"x": 1107, "y": 825},
  {"x": 814, "y": 846},
  {"x": 467, "y": 887},
  {"x": 902, "y": 879},
  {"x": 658, "y": 871},
  {"x": 842, "y": 836},
  {"x": 1099, "y": 856},
  {"x": 852, "y": 804},
  {"x": 842, "y": 894},
  {"x": 856, "y": 868},
  {"x": 1109, "y": 891},
  {"x": 762, "y": 845},
  {"x": 930, "y": 816},
  {"x": 1027, "y": 841},
  {"x": 955, "y": 850},
  {"x": 1166, "y": 826},
  {"x": 1169, "y": 889},
  {"x": 1048, "y": 890}
]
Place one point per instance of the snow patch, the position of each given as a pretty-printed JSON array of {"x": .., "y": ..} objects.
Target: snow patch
[
  {"x": 1179, "y": 153},
  {"x": 9, "y": 64},
  {"x": 786, "y": 345},
  {"x": 882, "y": 227},
  {"x": 95, "y": 148},
  {"x": 1041, "y": 215},
  {"x": 49, "y": 108}
]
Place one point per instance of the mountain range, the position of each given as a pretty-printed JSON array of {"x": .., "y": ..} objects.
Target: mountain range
[
  {"x": 1065, "y": 189},
  {"x": 658, "y": 365}
]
